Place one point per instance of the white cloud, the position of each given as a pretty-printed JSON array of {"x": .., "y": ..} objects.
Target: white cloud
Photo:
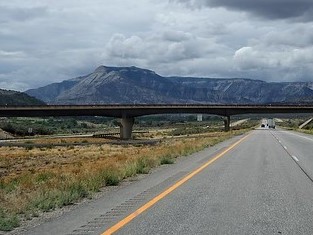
[
  {"x": 12, "y": 54},
  {"x": 287, "y": 63},
  {"x": 249, "y": 58}
]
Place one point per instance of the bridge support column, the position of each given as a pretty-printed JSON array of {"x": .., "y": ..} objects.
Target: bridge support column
[
  {"x": 126, "y": 128},
  {"x": 227, "y": 123}
]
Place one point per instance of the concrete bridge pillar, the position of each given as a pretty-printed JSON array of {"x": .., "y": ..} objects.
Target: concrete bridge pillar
[
  {"x": 227, "y": 123},
  {"x": 126, "y": 128}
]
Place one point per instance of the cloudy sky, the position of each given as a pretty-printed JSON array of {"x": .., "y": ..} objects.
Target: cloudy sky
[{"x": 52, "y": 40}]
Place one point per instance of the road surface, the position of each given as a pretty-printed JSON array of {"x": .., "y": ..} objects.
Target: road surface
[{"x": 257, "y": 184}]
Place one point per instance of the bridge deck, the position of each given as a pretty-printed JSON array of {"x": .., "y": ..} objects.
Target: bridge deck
[{"x": 120, "y": 111}]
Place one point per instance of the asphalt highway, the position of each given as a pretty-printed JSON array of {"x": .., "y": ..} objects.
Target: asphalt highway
[{"x": 260, "y": 183}]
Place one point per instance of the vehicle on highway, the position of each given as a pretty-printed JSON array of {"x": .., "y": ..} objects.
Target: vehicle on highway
[{"x": 271, "y": 123}]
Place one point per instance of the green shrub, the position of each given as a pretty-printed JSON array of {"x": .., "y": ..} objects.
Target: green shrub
[
  {"x": 29, "y": 147},
  {"x": 8, "y": 222},
  {"x": 111, "y": 177},
  {"x": 166, "y": 160},
  {"x": 142, "y": 166}
]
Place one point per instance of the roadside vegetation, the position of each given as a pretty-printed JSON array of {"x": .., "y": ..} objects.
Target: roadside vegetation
[
  {"x": 48, "y": 126},
  {"x": 294, "y": 123},
  {"x": 36, "y": 180}
]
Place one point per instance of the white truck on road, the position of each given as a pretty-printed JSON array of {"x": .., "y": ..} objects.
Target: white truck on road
[{"x": 271, "y": 123}]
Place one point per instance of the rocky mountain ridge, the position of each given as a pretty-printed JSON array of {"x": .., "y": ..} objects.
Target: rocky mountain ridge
[{"x": 128, "y": 85}]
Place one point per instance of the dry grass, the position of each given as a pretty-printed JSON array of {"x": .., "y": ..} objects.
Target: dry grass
[
  {"x": 310, "y": 131},
  {"x": 42, "y": 179}
]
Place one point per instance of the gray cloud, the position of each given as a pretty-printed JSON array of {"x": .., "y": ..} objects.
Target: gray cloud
[
  {"x": 43, "y": 42},
  {"x": 271, "y": 9},
  {"x": 300, "y": 35},
  {"x": 9, "y": 14}
]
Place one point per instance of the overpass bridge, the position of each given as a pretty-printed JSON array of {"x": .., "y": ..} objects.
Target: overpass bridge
[{"x": 128, "y": 113}]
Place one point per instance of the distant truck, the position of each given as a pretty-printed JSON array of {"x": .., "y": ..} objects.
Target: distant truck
[{"x": 271, "y": 123}]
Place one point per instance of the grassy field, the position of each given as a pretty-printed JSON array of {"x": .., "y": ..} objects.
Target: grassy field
[{"x": 36, "y": 180}]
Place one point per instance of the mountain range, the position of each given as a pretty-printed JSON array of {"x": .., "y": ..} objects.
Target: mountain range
[{"x": 129, "y": 85}]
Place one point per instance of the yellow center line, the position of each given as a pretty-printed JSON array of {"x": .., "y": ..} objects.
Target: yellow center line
[{"x": 153, "y": 201}]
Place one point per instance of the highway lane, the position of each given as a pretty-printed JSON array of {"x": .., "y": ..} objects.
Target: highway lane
[
  {"x": 299, "y": 146},
  {"x": 256, "y": 188}
]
